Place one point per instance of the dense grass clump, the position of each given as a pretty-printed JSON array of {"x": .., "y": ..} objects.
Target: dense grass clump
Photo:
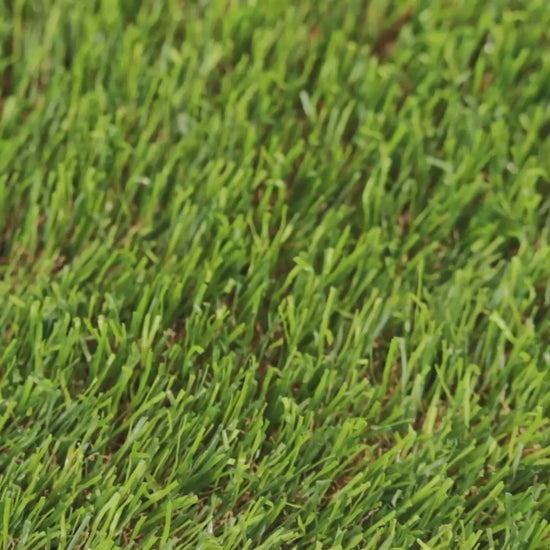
[{"x": 274, "y": 275}]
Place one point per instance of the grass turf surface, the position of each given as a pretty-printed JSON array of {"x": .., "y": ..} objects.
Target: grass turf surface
[{"x": 274, "y": 274}]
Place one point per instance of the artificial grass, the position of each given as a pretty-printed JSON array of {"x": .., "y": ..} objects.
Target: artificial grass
[{"x": 274, "y": 275}]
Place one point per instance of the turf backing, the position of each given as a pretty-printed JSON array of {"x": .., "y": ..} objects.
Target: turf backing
[{"x": 274, "y": 275}]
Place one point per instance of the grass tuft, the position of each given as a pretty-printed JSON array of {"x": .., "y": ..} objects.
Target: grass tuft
[{"x": 274, "y": 275}]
